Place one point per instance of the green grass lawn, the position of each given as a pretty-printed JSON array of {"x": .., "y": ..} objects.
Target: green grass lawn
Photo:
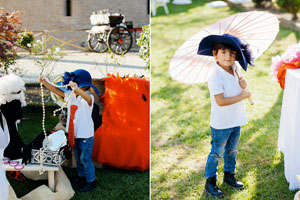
[
  {"x": 180, "y": 133},
  {"x": 113, "y": 183}
]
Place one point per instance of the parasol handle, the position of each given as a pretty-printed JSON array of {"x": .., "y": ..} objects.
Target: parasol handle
[{"x": 250, "y": 99}]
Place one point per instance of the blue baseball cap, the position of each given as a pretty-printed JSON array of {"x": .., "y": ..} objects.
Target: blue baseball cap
[
  {"x": 207, "y": 44},
  {"x": 80, "y": 76}
]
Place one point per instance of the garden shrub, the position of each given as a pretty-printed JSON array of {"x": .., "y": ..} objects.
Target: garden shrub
[
  {"x": 26, "y": 40},
  {"x": 144, "y": 44},
  {"x": 261, "y": 3},
  {"x": 291, "y": 6}
]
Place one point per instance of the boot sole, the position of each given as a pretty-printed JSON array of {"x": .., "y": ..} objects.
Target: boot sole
[
  {"x": 209, "y": 194},
  {"x": 83, "y": 191},
  {"x": 224, "y": 183},
  {"x": 90, "y": 189}
]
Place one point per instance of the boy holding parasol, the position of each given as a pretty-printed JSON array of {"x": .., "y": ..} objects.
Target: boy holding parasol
[{"x": 227, "y": 91}]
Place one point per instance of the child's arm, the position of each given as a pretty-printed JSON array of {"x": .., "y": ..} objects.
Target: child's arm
[
  {"x": 225, "y": 101},
  {"x": 51, "y": 87},
  {"x": 82, "y": 93}
]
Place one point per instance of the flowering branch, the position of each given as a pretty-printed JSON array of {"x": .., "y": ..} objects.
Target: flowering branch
[{"x": 9, "y": 27}]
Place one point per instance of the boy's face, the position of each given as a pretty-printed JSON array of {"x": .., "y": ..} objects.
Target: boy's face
[{"x": 225, "y": 57}]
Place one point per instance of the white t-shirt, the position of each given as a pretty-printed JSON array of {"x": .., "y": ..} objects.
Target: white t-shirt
[
  {"x": 83, "y": 122},
  {"x": 233, "y": 115}
]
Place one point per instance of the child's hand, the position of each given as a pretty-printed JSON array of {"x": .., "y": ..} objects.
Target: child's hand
[
  {"x": 73, "y": 85},
  {"x": 245, "y": 93},
  {"x": 242, "y": 83},
  {"x": 42, "y": 80}
]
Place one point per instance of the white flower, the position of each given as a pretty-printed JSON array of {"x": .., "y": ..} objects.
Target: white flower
[
  {"x": 57, "y": 49},
  {"x": 39, "y": 41},
  {"x": 28, "y": 45}
]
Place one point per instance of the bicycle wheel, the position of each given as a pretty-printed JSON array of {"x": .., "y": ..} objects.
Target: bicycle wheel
[
  {"x": 119, "y": 40},
  {"x": 96, "y": 43}
]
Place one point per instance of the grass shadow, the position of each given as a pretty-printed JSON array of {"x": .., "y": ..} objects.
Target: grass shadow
[
  {"x": 258, "y": 154},
  {"x": 177, "y": 99},
  {"x": 284, "y": 33}
]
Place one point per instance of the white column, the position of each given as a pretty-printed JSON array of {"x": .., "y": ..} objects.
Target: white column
[{"x": 182, "y": 2}]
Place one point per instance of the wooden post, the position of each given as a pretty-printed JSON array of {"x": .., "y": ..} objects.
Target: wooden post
[
  {"x": 51, "y": 180},
  {"x": 45, "y": 35},
  {"x": 44, "y": 42}
]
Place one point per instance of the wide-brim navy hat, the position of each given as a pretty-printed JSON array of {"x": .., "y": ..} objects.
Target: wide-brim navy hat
[
  {"x": 207, "y": 44},
  {"x": 80, "y": 76}
]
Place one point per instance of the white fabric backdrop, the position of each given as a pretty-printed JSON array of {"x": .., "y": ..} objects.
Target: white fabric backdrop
[
  {"x": 4, "y": 140},
  {"x": 289, "y": 130}
]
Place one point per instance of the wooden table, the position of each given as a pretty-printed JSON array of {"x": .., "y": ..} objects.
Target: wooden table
[{"x": 36, "y": 167}]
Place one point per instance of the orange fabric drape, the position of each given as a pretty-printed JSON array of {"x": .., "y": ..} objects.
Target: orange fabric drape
[
  {"x": 282, "y": 71},
  {"x": 71, "y": 136},
  {"x": 123, "y": 138}
]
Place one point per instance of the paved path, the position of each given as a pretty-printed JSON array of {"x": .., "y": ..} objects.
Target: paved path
[
  {"x": 98, "y": 64},
  {"x": 285, "y": 18}
]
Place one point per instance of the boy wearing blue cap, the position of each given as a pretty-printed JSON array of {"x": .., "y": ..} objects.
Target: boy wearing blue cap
[
  {"x": 227, "y": 92},
  {"x": 80, "y": 125}
]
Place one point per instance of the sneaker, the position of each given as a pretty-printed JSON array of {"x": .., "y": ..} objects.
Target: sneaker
[
  {"x": 212, "y": 189},
  {"x": 77, "y": 181},
  {"x": 88, "y": 187},
  {"x": 230, "y": 180}
]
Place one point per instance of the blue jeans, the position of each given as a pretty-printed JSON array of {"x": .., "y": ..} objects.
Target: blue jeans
[
  {"x": 222, "y": 140},
  {"x": 83, "y": 150}
]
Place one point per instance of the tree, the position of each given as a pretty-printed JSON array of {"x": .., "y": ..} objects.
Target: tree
[
  {"x": 292, "y": 6},
  {"x": 10, "y": 25},
  {"x": 262, "y": 3},
  {"x": 144, "y": 44}
]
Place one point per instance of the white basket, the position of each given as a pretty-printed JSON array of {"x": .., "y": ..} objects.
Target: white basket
[
  {"x": 54, "y": 158},
  {"x": 101, "y": 17},
  {"x": 98, "y": 19}
]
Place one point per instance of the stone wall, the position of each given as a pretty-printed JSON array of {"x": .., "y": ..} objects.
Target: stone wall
[{"x": 51, "y": 14}]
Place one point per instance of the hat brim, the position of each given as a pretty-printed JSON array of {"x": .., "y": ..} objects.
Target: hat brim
[
  {"x": 80, "y": 85},
  {"x": 207, "y": 44}
]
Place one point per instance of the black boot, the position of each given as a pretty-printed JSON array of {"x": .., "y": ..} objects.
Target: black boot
[
  {"x": 88, "y": 187},
  {"x": 78, "y": 181},
  {"x": 230, "y": 180},
  {"x": 212, "y": 189}
]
